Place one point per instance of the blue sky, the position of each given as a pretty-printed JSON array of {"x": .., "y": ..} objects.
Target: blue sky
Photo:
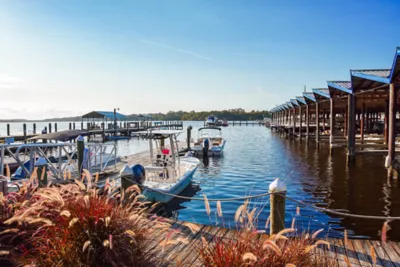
[{"x": 66, "y": 57}]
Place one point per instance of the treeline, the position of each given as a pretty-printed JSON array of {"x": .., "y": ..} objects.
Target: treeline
[{"x": 230, "y": 115}]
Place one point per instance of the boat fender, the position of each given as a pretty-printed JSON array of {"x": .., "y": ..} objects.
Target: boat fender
[{"x": 139, "y": 174}]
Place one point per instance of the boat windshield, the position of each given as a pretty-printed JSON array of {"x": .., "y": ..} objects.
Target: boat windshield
[{"x": 210, "y": 133}]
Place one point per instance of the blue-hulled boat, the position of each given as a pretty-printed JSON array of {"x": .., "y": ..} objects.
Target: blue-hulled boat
[{"x": 168, "y": 174}]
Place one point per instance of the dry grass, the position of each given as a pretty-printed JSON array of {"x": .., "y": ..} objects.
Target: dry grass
[{"x": 75, "y": 225}]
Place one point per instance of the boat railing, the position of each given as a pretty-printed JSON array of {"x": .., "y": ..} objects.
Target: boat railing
[{"x": 63, "y": 153}]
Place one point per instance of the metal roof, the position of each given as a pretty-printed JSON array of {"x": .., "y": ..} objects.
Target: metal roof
[
  {"x": 377, "y": 75},
  {"x": 324, "y": 92},
  {"x": 289, "y": 104},
  {"x": 395, "y": 72},
  {"x": 344, "y": 86},
  {"x": 300, "y": 99},
  {"x": 294, "y": 102},
  {"x": 103, "y": 115},
  {"x": 309, "y": 96}
]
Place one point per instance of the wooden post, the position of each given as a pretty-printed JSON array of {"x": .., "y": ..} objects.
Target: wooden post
[
  {"x": 331, "y": 123},
  {"x": 81, "y": 148},
  {"x": 368, "y": 122},
  {"x": 307, "y": 122},
  {"x": 24, "y": 129},
  {"x": 362, "y": 122},
  {"x": 49, "y": 127},
  {"x": 351, "y": 136},
  {"x": 70, "y": 126},
  {"x": 277, "y": 213},
  {"x": 294, "y": 122},
  {"x": 8, "y": 129},
  {"x": 301, "y": 122},
  {"x": 188, "y": 137},
  {"x": 392, "y": 128},
  {"x": 41, "y": 165},
  {"x": 73, "y": 125},
  {"x": 386, "y": 133},
  {"x": 316, "y": 122},
  {"x": 81, "y": 125},
  {"x": 324, "y": 120},
  {"x": 55, "y": 127},
  {"x": 345, "y": 123},
  {"x": 34, "y": 128}
]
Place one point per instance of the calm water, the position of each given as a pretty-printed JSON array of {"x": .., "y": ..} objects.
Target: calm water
[{"x": 254, "y": 157}]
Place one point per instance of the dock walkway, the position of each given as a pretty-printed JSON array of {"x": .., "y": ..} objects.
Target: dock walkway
[{"x": 355, "y": 251}]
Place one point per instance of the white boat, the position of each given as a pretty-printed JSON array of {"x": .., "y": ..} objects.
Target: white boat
[
  {"x": 209, "y": 141},
  {"x": 211, "y": 120},
  {"x": 168, "y": 172}
]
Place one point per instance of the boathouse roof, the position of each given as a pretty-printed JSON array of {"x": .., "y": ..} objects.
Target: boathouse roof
[
  {"x": 289, "y": 104},
  {"x": 301, "y": 100},
  {"x": 343, "y": 86},
  {"x": 321, "y": 93},
  {"x": 309, "y": 96},
  {"x": 109, "y": 115},
  {"x": 395, "y": 72},
  {"x": 294, "y": 102}
]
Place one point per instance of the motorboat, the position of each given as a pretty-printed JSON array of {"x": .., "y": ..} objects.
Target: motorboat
[
  {"x": 211, "y": 120},
  {"x": 209, "y": 142},
  {"x": 117, "y": 137},
  {"x": 225, "y": 123},
  {"x": 168, "y": 173}
]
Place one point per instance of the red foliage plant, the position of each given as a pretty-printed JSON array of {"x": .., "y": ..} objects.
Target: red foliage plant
[{"x": 73, "y": 225}]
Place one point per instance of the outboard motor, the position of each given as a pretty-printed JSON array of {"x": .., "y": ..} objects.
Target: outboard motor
[
  {"x": 206, "y": 146},
  {"x": 139, "y": 174}
]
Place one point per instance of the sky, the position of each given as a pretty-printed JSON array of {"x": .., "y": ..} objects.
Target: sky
[{"x": 62, "y": 58}]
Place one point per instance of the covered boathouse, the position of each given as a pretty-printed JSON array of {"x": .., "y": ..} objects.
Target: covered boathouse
[{"x": 361, "y": 114}]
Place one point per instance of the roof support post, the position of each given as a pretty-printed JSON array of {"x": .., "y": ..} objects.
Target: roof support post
[
  {"x": 290, "y": 117},
  {"x": 294, "y": 122},
  {"x": 386, "y": 120},
  {"x": 392, "y": 128},
  {"x": 331, "y": 123},
  {"x": 307, "y": 122},
  {"x": 323, "y": 119},
  {"x": 345, "y": 122},
  {"x": 362, "y": 123},
  {"x": 301, "y": 122},
  {"x": 351, "y": 133},
  {"x": 317, "y": 122}
]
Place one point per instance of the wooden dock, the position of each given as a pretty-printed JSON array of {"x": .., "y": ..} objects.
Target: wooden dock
[{"x": 355, "y": 251}]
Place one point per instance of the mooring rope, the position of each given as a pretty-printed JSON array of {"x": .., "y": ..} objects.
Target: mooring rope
[
  {"x": 342, "y": 213},
  {"x": 209, "y": 199}
]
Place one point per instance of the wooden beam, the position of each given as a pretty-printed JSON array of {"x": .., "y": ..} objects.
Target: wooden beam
[
  {"x": 351, "y": 135},
  {"x": 386, "y": 121},
  {"x": 294, "y": 121},
  {"x": 345, "y": 123},
  {"x": 307, "y": 122},
  {"x": 331, "y": 122},
  {"x": 301, "y": 122},
  {"x": 317, "y": 122},
  {"x": 392, "y": 122},
  {"x": 362, "y": 122}
]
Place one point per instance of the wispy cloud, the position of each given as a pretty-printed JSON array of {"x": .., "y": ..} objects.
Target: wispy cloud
[{"x": 183, "y": 51}]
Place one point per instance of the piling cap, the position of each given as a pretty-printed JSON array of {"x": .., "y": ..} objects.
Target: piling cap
[
  {"x": 126, "y": 170},
  {"x": 277, "y": 186},
  {"x": 41, "y": 162},
  {"x": 80, "y": 139}
]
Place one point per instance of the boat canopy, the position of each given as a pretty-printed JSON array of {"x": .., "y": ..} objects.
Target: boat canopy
[
  {"x": 164, "y": 133},
  {"x": 61, "y": 136},
  {"x": 210, "y": 127}
]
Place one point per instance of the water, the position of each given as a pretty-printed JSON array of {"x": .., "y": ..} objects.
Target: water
[{"x": 254, "y": 157}]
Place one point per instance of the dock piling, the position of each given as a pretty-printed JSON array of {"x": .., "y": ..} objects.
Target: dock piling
[
  {"x": 189, "y": 135},
  {"x": 392, "y": 128},
  {"x": 351, "y": 131},
  {"x": 8, "y": 129},
  {"x": 24, "y": 129},
  {"x": 277, "y": 213},
  {"x": 41, "y": 165},
  {"x": 55, "y": 127},
  {"x": 81, "y": 148}
]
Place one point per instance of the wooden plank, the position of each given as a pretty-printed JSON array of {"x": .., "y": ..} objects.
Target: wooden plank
[
  {"x": 340, "y": 252},
  {"x": 330, "y": 253},
  {"x": 350, "y": 252},
  {"x": 367, "y": 245},
  {"x": 362, "y": 254},
  {"x": 382, "y": 253},
  {"x": 220, "y": 232},
  {"x": 382, "y": 259},
  {"x": 391, "y": 252}
]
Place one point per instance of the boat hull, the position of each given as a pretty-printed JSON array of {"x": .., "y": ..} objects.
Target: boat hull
[
  {"x": 154, "y": 196},
  {"x": 214, "y": 151}
]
